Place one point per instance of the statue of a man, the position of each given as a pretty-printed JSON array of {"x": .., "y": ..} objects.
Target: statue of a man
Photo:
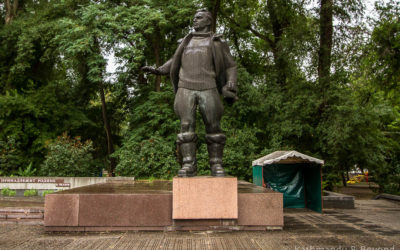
[{"x": 201, "y": 69}]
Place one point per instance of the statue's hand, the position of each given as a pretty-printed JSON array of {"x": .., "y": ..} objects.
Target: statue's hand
[
  {"x": 229, "y": 92},
  {"x": 151, "y": 70}
]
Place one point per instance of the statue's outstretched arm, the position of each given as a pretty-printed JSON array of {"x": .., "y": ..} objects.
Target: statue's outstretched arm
[{"x": 162, "y": 70}]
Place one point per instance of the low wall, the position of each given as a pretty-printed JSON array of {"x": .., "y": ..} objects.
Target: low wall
[
  {"x": 388, "y": 197},
  {"x": 54, "y": 183},
  {"x": 336, "y": 200}
]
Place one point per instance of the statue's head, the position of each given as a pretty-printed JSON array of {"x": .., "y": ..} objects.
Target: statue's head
[{"x": 202, "y": 20}]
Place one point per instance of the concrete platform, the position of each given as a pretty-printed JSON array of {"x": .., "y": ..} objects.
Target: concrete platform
[
  {"x": 373, "y": 224},
  {"x": 147, "y": 206}
]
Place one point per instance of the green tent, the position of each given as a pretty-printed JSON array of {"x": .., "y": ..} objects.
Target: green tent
[{"x": 296, "y": 175}]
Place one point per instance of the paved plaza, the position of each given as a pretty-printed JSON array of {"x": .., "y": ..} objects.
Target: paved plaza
[{"x": 374, "y": 224}]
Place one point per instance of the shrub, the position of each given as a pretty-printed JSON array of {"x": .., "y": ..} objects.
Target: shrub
[
  {"x": 69, "y": 157},
  {"x": 46, "y": 192},
  {"x": 28, "y": 171},
  {"x": 30, "y": 192},
  {"x": 8, "y": 192},
  {"x": 150, "y": 157}
]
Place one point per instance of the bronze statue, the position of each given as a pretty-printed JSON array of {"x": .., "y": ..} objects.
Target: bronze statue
[{"x": 201, "y": 69}]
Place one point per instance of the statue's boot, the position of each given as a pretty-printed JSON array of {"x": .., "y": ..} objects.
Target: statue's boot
[
  {"x": 187, "y": 146},
  {"x": 215, "y": 146}
]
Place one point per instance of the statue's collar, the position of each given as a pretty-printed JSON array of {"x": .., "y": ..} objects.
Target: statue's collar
[{"x": 202, "y": 34}]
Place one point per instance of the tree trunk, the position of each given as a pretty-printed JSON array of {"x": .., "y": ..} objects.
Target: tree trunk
[
  {"x": 215, "y": 15},
  {"x": 11, "y": 8},
  {"x": 156, "y": 46},
  {"x": 343, "y": 179},
  {"x": 325, "y": 44},
  {"x": 7, "y": 5},
  {"x": 110, "y": 145},
  {"x": 280, "y": 57}
]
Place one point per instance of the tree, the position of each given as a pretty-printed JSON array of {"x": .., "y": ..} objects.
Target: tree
[{"x": 377, "y": 85}]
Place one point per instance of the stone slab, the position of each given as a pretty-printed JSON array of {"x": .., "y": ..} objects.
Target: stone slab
[
  {"x": 123, "y": 210},
  {"x": 205, "y": 222},
  {"x": 61, "y": 210},
  {"x": 261, "y": 209},
  {"x": 205, "y": 198},
  {"x": 337, "y": 200},
  {"x": 25, "y": 216}
]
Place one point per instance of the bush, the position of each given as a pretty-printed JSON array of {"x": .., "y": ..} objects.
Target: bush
[
  {"x": 149, "y": 157},
  {"x": 46, "y": 192},
  {"x": 8, "y": 192},
  {"x": 30, "y": 192},
  {"x": 69, "y": 157},
  {"x": 388, "y": 178}
]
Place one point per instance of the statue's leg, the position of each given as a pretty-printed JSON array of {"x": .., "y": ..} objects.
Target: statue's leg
[
  {"x": 211, "y": 109},
  {"x": 187, "y": 146},
  {"x": 215, "y": 146},
  {"x": 185, "y": 108}
]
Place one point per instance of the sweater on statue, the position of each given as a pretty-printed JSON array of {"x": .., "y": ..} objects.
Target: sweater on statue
[{"x": 197, "y": 70}]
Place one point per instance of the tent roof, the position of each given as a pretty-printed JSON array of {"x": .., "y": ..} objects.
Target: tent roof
[{"x": 286, "y": 157}]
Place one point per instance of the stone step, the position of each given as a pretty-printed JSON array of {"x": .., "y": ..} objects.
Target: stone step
[
  {"x": 23, "y": 222},
  {"x": 24, "y": 216},
  {"x": 8, "y": 210},
  {"x": 18, "y": 215}
]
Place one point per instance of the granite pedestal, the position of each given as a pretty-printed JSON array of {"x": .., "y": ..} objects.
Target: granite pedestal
[
  {"x": 150, "y": 206},
  {"x": 205, "y": 198}
]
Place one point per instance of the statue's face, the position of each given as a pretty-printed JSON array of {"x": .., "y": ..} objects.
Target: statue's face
[{"x": 200, "y": 21}]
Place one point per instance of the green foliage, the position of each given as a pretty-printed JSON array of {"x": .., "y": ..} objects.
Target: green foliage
[
  {"x": 29, "y": 119},
  {"x": 30, "y": 192},
  {"x": 151, "y": 157},
  {"x": 46, "y": 192},
  {"x": 11, "y": 156},
  {"x": 28, "y": 171},
  {"x": 69, "y": 157},
  {"x": 8, "y": 192},
  {"x": 378, "y": 88},
  {"x": 148, "y": 149}
]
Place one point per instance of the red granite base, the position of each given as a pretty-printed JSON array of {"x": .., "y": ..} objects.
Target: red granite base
[
  {"x": 205, "y": 197},
  {"x": 142, "y": 206}
]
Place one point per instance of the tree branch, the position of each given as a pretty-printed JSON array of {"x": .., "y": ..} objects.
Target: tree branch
[{"x": 252, "y": 30}]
